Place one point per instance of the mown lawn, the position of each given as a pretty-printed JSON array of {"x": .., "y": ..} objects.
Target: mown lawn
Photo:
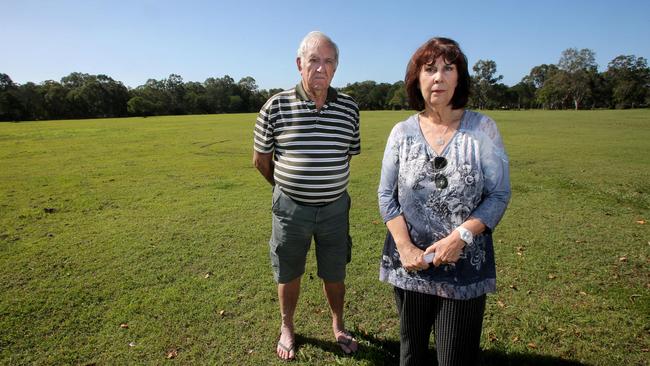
[{"x": 144, "y": 241}]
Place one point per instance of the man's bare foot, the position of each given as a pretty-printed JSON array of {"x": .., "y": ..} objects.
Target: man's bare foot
[
  {"x": 286, "y": 348},
  {"x": 346, "y": 341}
]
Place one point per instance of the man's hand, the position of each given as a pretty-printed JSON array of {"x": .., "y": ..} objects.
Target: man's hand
[{"x": 264, "y": 163}]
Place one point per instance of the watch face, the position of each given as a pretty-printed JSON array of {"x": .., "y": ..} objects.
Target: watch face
[{"x": 466, "y": 235}]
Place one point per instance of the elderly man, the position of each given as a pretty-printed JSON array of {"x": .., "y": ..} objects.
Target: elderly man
[{"x": 304, "y": 140}]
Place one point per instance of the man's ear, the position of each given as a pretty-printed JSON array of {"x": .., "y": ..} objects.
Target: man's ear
[{"x": 299, "y": 63}]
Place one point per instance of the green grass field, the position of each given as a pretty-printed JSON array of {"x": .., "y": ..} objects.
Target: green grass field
[{"x": 128, "y": 241}]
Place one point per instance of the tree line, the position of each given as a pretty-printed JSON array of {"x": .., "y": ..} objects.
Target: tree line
[
  {"x": 80, "y": 95},
  {"x": 573, "y": 83}
]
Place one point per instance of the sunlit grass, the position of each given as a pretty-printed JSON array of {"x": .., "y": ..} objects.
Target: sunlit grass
[{"x": 161, "y": 225}]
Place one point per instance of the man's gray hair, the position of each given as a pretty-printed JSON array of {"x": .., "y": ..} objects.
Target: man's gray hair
[{"x": 312, "y": 37}]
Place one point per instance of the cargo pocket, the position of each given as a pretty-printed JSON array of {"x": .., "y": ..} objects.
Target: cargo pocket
[{"x": 275, "y": 197}]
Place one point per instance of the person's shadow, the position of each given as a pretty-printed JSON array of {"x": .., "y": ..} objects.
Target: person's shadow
[{"x": 386, "y": 352}]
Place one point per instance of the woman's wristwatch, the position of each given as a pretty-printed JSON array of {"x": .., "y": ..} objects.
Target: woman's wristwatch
[{"x": 465, "y": 235}]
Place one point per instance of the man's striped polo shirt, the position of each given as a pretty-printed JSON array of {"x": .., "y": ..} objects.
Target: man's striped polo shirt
[{"x": 310, "y": 147}]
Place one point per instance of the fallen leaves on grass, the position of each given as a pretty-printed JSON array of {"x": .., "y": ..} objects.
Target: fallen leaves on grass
[
  {"x": 501, "y": 304},
  {"x": 532, "y": 345},
  {"x": 622, "y": 259},
  {"x": 641, "y": 222},
  {"x": 551, "y": 276},
  {"x": 515, "y": 339},
  {"x": 222, "y": 313},
  {"x": 132, "y": 344},
  {"x": 124, "y": 326},
  {"x": 492, "y": 337},
  {"x": 207, "y": 275},
  {"x": 172, "y": 353}
]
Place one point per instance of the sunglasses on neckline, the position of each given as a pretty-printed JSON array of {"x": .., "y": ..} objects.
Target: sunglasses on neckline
[{"x": 439, "y": 163}]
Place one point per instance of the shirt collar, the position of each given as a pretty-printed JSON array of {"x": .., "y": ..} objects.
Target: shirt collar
[{"x": 332, "y": 94}]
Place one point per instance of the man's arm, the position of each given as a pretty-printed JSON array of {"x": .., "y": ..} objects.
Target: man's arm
[{"x": 264, "y": 163}]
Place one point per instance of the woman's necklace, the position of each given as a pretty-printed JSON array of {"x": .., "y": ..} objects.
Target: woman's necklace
[{"x": 441, "y": 139}]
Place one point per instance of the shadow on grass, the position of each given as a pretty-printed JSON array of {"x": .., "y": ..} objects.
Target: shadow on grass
[
  {"x": 493, "y": 358},
  {"x": 378, "y": 351},
  {"x": 375, "y": 351}
]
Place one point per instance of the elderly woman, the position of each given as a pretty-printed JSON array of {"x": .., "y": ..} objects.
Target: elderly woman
[{"x": 444, "y": 187}]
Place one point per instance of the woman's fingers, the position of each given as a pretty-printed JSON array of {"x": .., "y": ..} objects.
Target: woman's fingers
[{"x": 414, "y": 260}]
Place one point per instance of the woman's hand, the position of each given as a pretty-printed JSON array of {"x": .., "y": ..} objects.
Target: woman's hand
[
  {"x": 412, "y": 258},
  {"x": 447, "y": 249}
]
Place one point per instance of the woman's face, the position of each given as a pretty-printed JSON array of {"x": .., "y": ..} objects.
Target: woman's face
[{"x": 438, "y": 82}]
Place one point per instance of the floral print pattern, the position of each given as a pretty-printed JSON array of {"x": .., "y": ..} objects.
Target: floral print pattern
[{"x": 478, "y": 185}]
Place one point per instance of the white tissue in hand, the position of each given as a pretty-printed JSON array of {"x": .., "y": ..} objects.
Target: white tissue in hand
[{"x": 429, "y": 257}]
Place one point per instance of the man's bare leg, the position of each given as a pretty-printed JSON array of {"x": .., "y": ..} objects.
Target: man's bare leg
[
  {"x": 335, "y": 293},
  {"x": 288, "y": 295}
]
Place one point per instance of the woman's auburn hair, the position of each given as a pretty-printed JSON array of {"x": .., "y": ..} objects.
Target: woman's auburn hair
[{"x": 426, "y": 55}]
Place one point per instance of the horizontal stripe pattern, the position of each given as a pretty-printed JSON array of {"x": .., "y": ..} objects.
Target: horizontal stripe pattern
[{"x": 310, "y": 147}]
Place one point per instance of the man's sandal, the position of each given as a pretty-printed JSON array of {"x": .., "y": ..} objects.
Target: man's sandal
[
  {"x": 288, "y": 350},
  {"x": 345, "y": 342}
]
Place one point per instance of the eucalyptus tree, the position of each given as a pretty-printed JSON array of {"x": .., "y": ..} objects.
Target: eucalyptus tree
[
  {"x": 10, "y": 109},
  {"x": 630, "y": 80},
  {"x": 579, "y": 66},
  {"x": 484, "y": 81}
]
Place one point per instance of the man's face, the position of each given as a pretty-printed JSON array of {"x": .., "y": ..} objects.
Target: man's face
[{"x": 317, "y": 67}]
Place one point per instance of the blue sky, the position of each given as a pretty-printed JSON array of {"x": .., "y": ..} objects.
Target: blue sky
[{"x": 135, "y": 40}]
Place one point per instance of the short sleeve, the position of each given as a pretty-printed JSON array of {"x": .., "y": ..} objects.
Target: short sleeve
[{"x": 263, "y": 135}]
